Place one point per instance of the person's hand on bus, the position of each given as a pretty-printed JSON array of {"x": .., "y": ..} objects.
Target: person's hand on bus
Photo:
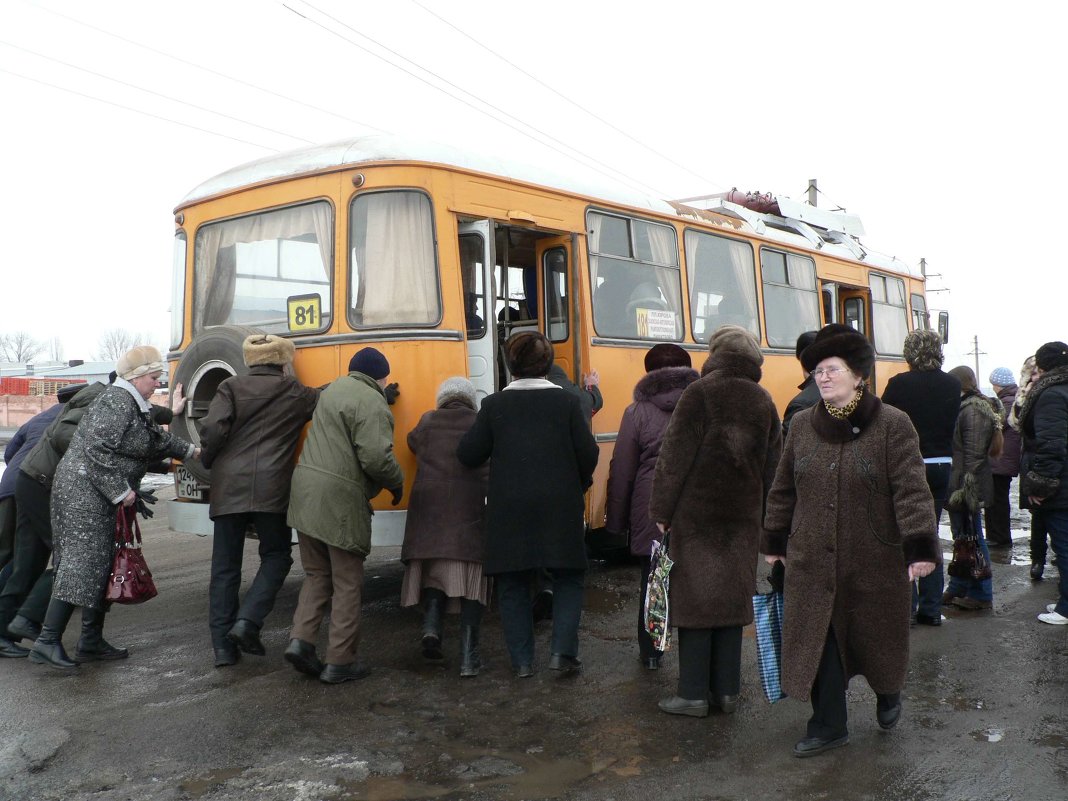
[
  {"x": 397, "y": 493},
  {"x": 392, "y": 391},
  {"x": 591, "y": 379},
  {"x": 177, "y": 400}
]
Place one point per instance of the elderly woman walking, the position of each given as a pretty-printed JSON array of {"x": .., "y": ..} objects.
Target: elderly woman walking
[
  {"x": 444, "y": 535},
  {"x": 102, "y": 469},
  {"x": 852, "y": 518},
  {"x": 715, "y": 468},
  {"x": 542, "y": 456}
]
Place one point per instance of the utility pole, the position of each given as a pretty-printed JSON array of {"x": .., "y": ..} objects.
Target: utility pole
[
  {"x": 976, "y": 353},
  {"x": 812, "y": 192}
]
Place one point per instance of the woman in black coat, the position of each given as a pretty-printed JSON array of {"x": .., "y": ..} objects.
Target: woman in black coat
[{"x": 542, "y": 456}]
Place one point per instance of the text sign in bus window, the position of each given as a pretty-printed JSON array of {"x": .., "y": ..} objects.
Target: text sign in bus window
[{"x": 305, "y": 312}]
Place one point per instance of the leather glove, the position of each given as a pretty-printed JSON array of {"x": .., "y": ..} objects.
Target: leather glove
[
  {"x": 392, "y": 393},
  {"x": 144, "y": 499},
  {"x": 397, "y": 493}
]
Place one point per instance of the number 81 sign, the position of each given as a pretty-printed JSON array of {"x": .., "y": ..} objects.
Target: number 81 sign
[{"x": 304, "y": 312}]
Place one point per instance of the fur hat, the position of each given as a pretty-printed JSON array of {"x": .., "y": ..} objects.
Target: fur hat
[
  {"x": 666, "y": 354},
  {"x": 139, "y": 361},
  {"x": 1051, "y": 355},
  {"x": 528, "y": 354},
  {"x": 737, "y": 340},
  {"x": 267, "y": 349},
  {"x": 64, "y": 394},
  {"x": 1002, "y": 377},
  {"x": 923, "y": 350},
  {"x": 456, "y": 388},
  {"x": 803, "y": 342},
  {"x": 842, "y": 341},
  {"x": 370, "y": 362}
]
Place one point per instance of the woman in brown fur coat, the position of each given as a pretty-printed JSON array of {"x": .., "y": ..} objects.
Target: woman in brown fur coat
[
  {"x": 851, "y": 516},
  {"x": 714, "y": 471}
]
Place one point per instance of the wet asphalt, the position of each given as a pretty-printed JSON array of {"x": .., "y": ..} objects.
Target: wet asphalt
[{"x": 986, "y": 710}]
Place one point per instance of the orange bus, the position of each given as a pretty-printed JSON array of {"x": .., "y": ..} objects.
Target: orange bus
[{"x": 436, "y": 256}]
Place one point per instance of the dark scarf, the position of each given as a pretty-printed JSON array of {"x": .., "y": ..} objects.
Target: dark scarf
[{"x": 835, "y": 431}]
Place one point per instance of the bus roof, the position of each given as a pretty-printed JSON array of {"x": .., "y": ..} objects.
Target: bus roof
[{"x": 379, "y": 148}]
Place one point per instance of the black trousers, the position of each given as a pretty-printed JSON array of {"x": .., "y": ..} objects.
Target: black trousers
[
  {"x": 228, "y": 550},
  {"x": 996, "y": 513},
  {"x": 1039, "y": 546},
  {"x": 829, "y": 713},
  {"x": 33, "y": 546},
  {"x": 710, "y": 662},
  {"x": 7, "y": 530}
]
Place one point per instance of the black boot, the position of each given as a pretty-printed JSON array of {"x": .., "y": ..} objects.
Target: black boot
[
  {"x": 24, "y": 628},
  {"x": 92, "y": 646},
  {"x": 434, "y": 609},
  {"x": 48, "y": 649}
]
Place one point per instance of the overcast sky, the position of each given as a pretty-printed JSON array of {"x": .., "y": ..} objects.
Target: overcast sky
[{"x": 937, "y": 123}]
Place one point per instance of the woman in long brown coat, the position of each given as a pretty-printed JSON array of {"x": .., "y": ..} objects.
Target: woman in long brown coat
[
  {"x": 444, "y": 535},
  {"x": 852, "y": 518},
  {"x": 714, "y": 471}
]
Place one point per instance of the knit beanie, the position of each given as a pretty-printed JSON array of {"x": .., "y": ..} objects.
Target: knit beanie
[
  {"x": 139, "y": 361},
  {"x": 267, "y": 349},
  {"x": 528, "y": 354},
  {"x": 1002, "y": 377},
  {"x": 844, "y": 342},
  {"x": 456, "y": 388},
  {"x": 1051, "y": 355},
  {"x": 666, "y": 354},
  {"x": 737, "y": 340},
  {"x": 923, "y": 350},
  {"x": 370, "y": 362}
]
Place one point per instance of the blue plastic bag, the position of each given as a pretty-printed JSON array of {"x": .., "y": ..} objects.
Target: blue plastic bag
[{"x": 767, "y": 615}]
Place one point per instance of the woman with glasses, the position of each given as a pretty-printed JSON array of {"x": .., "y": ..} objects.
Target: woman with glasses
[{"x": 852, "y": 519}]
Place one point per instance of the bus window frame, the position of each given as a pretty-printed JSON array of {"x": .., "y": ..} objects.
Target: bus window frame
[
  {"x": 815, "y": 291},
  {"x": 435, "y": 247},
  {"x": 331, "y": 270},
  {"x": 564, "y": 300},
  {"x": 921, "y": 320},
  {"x": 178, "y": 283},
  {"x": 899, "y": 348},
  {"x": 690, "y": 282}
]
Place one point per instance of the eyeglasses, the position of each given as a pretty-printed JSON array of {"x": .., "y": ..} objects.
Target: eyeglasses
[{"x": 830, "y": 372}]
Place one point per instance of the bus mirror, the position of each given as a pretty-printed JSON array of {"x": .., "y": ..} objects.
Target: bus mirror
[{"x": 943, "y": 326}]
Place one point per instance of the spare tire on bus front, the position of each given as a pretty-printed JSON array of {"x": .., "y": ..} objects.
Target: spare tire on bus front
[{"x": 214, "y": 355}]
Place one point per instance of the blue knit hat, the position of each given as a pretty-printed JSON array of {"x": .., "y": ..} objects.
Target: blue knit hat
[
  {"x": 370, "y": 362},
  {"x": 1002, "y": 377}
]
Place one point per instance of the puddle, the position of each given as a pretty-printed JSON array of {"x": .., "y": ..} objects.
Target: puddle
[
  {"x": 597, "y": 600},
  {"x": 200, "y": 786},
  {"x": 991, "y": 735},
  {"x": 1052, "y": 741}
]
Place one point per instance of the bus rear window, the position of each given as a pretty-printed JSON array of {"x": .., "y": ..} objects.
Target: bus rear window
[
  {"x": 394, "y": 275},
  {"x": 245, "y": 269}
]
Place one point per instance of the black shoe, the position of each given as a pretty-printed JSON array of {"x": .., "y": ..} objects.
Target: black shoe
[
  {"x": 1037, "y": 569},
  {"x": 226, "y": 655},
  {"x": 24, "y": 628},
  {"x": 336, "y": 674},
  {"x": 431, "y": 644},
  {"x": 302, "y": 656},
  {"x": 51, "y": 654},
  {"x": 677, "y": 705},
  {"x": 246, "y": 635},
  {"x": 727, "y": 704},
  {"x": 11, "y": 650},
  {"x": 651, "y": 662},
  {"x": 524, "y": 671},
  {"x": 928, "y": 620},
  {"x": 568, "y": 664},
  {"x": 103, "y": 652},
  {"x": 541, "y": 608},
  {"x": 811, "y": 746},
  {"x": 888, "y": 718}
]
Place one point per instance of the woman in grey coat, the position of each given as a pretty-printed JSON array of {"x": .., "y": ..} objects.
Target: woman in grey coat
[{"x": 108, "y": 456}]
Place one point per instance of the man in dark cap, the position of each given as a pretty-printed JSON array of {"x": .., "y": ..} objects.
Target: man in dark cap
[
  {"x": 1044, "y": 468},
  {"x": 346, "y": 461}
]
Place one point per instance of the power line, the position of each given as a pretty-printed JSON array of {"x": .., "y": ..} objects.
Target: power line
[
  {"x": 207, "y": 69},
  {"x": 137, "y": 110},
  {"x": 567, "y": 99},
  {"x": 153, "y": 92},
  {"x": 613, "y": 174}
]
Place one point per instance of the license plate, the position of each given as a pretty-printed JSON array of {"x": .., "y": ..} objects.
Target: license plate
[{"x": 186, "y": 485}]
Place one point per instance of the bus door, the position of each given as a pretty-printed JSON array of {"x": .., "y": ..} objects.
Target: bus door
[
  {"x": 556, "y": 287},
  {"x": 854, "y": 304},
  {"x": 476, "y": 269}
]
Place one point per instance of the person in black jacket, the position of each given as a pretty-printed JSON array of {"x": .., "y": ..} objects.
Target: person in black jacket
[
  {"x": 931, "y": 399},
  {"x": 542, "y": 456},
  {"x": 809, "y": 395}
]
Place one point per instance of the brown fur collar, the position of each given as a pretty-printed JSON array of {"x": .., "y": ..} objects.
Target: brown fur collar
[
  {"x": 830, "y": 429},
  {"x": 732, "y": 364},
  {"x": 664, "y": 380}
]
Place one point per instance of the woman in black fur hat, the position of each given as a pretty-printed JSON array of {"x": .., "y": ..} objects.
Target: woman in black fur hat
[{"x": 851, "y": 516}]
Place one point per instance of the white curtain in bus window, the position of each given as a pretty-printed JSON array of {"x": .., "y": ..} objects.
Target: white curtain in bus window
[
  {"x": 246, "y": 268},
  {"x": 889, "y": 315},
  {"x": 791, "y": 304},
  {"x": 394, "y": 274},
  {"x": 722, "y": 284},
  {"x": 635, "y": 274}
]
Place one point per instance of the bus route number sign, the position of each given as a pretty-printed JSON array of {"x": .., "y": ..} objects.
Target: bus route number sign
[{"x": 305, "y": 312}]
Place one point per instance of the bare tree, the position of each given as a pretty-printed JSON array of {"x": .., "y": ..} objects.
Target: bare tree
[
  {"x": 55, "y": 349},
  {"x": 19, "y": 347},
  {"x": 116, "y": 341}
]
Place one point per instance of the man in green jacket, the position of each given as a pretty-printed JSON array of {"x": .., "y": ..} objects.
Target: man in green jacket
[{"x": 346, "y": 461}]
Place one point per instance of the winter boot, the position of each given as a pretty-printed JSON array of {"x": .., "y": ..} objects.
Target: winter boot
[
  {"x": 48, "y": 649},
  {"x": 470, "y": 661},
  {"x": 92, "y": 646},
  {"x": 434, "y": 610}
]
